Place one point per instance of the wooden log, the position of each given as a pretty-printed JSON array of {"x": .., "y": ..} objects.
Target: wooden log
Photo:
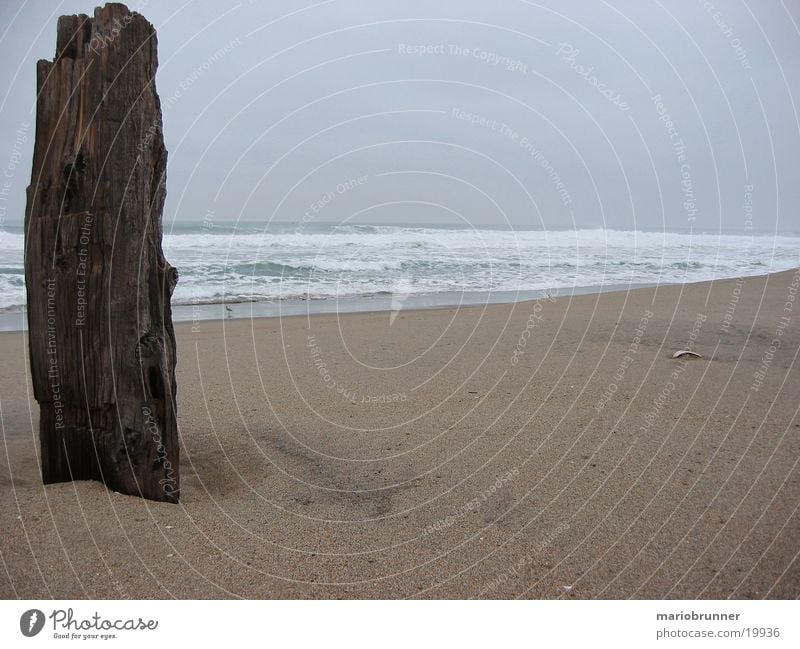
[{"x": 102, "y": 345}]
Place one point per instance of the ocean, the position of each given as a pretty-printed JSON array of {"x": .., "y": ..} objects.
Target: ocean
[{"x": 285, "y": 269}]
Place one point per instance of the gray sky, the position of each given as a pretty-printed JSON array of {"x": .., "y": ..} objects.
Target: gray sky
[{"x": 537, "y": 114}]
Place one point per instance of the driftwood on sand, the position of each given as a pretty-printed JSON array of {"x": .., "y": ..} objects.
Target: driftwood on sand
[{"x": 102, "y": 345}]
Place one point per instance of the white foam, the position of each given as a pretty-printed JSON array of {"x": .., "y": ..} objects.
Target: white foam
[{"x": 250, "y": 264}]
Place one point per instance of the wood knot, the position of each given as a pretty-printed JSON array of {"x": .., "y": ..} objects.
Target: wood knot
[
  {"x": 71, "y": 174},
  {"x": 150, "y": 346}
]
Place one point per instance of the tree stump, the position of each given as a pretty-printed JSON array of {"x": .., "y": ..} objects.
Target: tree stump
[{"x": 102, "y": 345}]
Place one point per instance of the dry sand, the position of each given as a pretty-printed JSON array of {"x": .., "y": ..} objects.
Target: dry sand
[{"x": 422, "y": 462}]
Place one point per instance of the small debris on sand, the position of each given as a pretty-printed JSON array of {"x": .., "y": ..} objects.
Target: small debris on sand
[{"x": 685, "y": 352}]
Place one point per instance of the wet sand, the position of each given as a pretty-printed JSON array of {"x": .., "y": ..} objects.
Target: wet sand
[{"x": 537, "y": 450}]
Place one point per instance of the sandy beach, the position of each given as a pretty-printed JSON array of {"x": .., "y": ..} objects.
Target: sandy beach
[{"x": 547, "y": 449}]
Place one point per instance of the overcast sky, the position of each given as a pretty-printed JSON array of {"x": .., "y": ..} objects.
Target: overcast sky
[{"x": 528, "y": 113}]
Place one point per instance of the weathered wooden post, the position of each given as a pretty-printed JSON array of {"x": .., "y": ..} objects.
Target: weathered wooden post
[{"x": 102, "y": 345}]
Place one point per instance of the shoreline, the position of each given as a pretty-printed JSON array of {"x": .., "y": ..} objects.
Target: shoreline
[
  {"x": 16, "y": 321},
  {"x": 215, "y": 311}
]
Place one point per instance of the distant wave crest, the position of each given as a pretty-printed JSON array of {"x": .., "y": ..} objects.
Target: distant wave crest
[{"x": 246, "y": 264}]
